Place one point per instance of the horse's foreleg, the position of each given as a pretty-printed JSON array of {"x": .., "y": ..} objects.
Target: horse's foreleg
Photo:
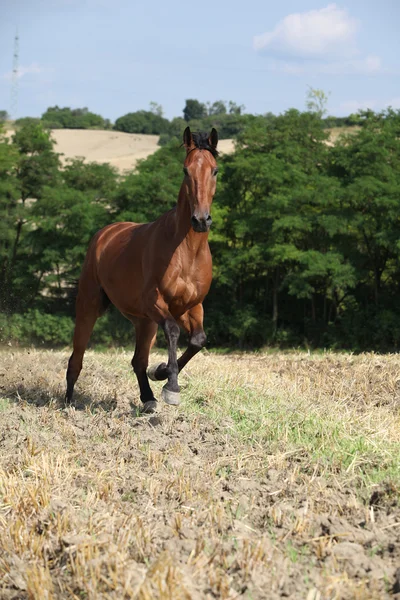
[
  {"x": 146, "y": 331},
  {"x": 170, "y": 392},
  {"x": 192, "y": 322},
  {"x": 161, "y": 315}
]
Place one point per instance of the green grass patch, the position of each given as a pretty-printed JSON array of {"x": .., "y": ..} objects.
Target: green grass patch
[
  {"x": 4, "y": 404},
  {"x": 318, "y": 436}
]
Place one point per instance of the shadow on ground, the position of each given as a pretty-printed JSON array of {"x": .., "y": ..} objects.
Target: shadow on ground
[{"x": 39, "y": 396}]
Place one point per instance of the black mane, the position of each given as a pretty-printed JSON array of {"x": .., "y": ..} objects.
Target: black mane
[{"x": 201, "y": 142}]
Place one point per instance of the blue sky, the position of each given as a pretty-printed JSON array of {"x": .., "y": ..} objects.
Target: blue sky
[{"x": 116, "y": 56}]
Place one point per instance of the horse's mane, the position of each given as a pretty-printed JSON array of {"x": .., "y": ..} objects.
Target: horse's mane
[{"x": 201, "y": 142}]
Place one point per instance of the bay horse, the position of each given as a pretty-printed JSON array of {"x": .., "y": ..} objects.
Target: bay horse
[{"x": 156, "y": 274}]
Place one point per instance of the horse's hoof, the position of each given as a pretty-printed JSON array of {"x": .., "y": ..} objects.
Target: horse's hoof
[
  {"x": 149, "y": 407},
  {"x": 151, "y": 372},
  {"x": 173, "y": 398}
]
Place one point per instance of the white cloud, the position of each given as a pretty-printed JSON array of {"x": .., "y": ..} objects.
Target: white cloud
[
  {"x": 34, "y": 68},
  {"x": 329, "y": 31},
  {"x": 314, "y": 42}
]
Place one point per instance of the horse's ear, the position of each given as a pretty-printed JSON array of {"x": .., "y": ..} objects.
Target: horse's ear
[
  {"x": 213, "y": 138},
  {"x": 187, "y": 138}
]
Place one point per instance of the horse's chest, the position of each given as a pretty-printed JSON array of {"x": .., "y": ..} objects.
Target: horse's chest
[
  {"x": 185, "y": 293},
  {"x": 185, "y": 283}
]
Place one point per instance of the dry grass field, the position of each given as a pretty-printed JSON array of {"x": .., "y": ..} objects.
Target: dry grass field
[
  {"x": 277, "y": 477},
  {"x": 336, "y": 132},
  {"x": 123, "y": 150}
]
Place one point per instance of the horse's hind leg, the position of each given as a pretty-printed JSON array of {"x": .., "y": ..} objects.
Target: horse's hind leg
[
  {"x": 146, "y": 331},
  {"x": 90, "y": 304}
]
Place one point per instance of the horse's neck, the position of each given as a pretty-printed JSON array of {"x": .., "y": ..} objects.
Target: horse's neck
[{"x": 184, "y": 231}]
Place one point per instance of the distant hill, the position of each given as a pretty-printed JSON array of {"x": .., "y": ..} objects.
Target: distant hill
[{"x": 121, "y": 150}]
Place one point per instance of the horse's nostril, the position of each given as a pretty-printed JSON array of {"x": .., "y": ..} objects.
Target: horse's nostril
[{"x": 201, "y": 224}]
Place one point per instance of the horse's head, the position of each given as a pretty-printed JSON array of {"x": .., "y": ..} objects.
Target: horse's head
[{"x": 200, "y": 170}]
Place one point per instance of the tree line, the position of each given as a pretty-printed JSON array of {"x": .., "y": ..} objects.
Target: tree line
[
  {"x": 228, "y": 117},
  {"x": 305, "y": 237}
]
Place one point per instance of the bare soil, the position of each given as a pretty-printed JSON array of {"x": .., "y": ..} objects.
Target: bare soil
[{"x": 277, "y": 477}]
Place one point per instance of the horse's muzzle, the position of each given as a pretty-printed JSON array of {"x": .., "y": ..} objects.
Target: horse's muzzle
[{"x": 202, "y": 224}]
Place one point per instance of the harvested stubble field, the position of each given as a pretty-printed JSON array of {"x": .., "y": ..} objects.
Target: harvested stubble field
[{"x": 278, "y": 476}]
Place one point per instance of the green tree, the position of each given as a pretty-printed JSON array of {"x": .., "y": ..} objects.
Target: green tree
[
  {"x": 194, "y": 110},
  {"x": 36, "y": 166},
  {"x": 216, "y": 108},
  {"x": 77, "y": 118},
  {"x": 156, "y": 109},
  {"x": 152, "y": 188},
  {"x": 27, "y": 121},
  {"x": 65, "y": 220},
  {"x": 99, "y": 180},
  {"x": 38, "y": 163},
  {"x": 235, "y": 109},
  {"x": 142, "y": 121},
  {"x": 317, "y": 101},
  {"x": 281, "y": 221},
  {"x": 174, "y": 131},
  {"x": 367, "y": 164},
  {"x": 9, "y": 214},
  {"x": 66, "y": 216}
]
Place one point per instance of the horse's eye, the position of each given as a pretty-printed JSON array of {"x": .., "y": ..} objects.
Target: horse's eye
[
  {"x": 185, "y": 171},
  {"x": 215, "y": 172}
]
